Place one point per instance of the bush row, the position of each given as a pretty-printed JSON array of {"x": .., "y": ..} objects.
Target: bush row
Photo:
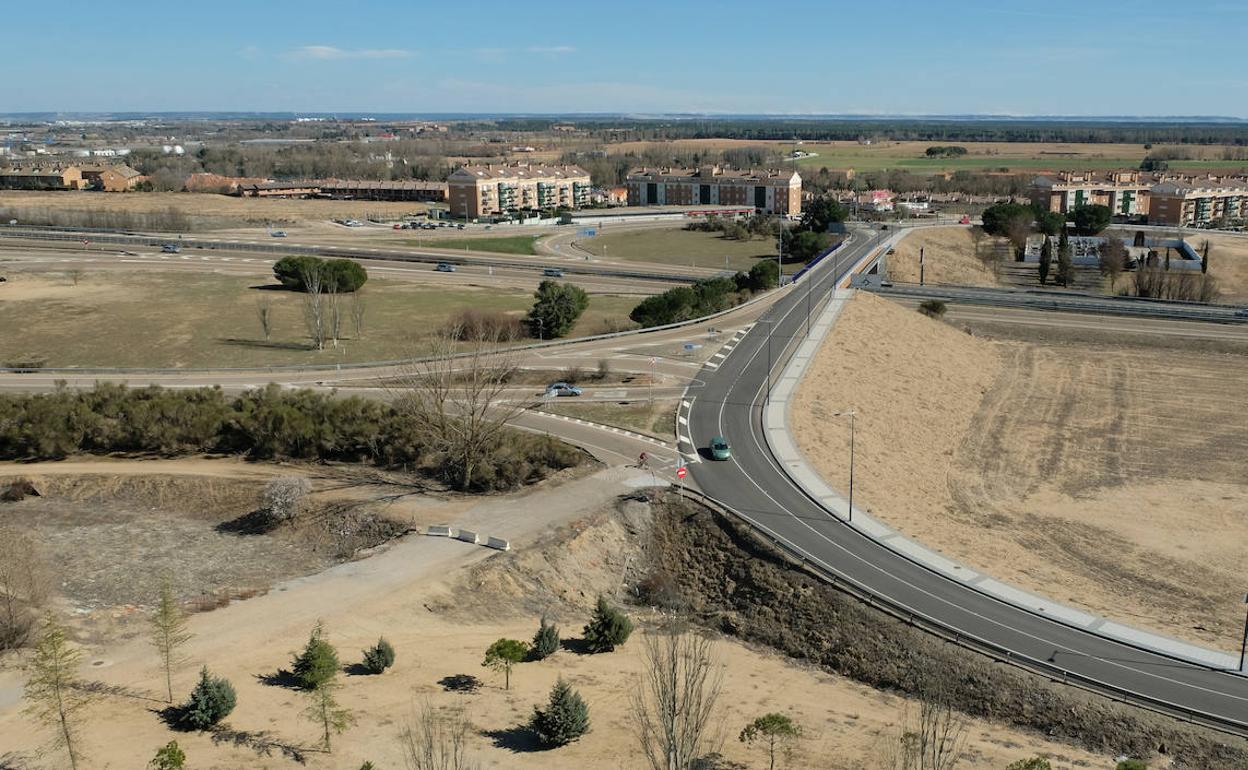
[
  {"x": 269, "y": 423},
  {"x": 705, "y": 297}
]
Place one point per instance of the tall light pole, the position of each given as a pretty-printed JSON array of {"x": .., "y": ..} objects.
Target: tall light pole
[
  {"x": 1243, "y": 646},
  {"x": 767, "y": 395},
  {"x": 850, "y": 414}
]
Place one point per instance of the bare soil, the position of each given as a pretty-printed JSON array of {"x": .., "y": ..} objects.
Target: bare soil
[
  {"x": 951, "y": 255},
  {"x": 1104, "y": 476}
]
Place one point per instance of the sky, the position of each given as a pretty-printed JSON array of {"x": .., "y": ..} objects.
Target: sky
[{"x": 1091, "y": 57}]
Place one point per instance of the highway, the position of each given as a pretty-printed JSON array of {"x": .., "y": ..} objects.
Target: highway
[{"x": 727, "y": 400}]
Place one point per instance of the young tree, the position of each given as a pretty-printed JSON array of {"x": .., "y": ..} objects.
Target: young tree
[
  {"x": 264, "y": 310},
  {"x": 25, "y": 585},
  {"x": 1113, "y": 259},
  {"x": 932, "y": 739},
  {"x": 53, "y": 691},
  {"x": 359, "y": 308},
  {"x": 283, "y": 498},
  {"x": 1046, "y": 256},
  {"x": 556, "y": 309},
  {"x": 379, "y": 657},
  {"x": 168, "y": 757},
  {"x": 168, "y": 634},
  {"x": 211, "y": 701},
  {"x": 773, "y": 731},
  {"x": 433, "y": 742},
  {"x": 313, "y": 280},
  {"x": 318, "y": 663},
  {"x": 674, "y": 702},
  {"x": 565, "y": 718},
  {"x": 545, "y": 641},
  {"x": 325, "y": 711},
  {"x": 607, "y": 629},
  {"x": 503, "y": 655}
]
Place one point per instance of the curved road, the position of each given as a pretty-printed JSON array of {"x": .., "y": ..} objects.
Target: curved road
[{"x": 728, "y": 401}]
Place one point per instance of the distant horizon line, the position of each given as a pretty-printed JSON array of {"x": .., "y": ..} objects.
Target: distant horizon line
[{"x": 628, "y": 115}]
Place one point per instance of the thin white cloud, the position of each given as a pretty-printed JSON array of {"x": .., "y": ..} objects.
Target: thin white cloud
[
  {"x": 333, "y": 53},
  {"x": 551, "y": 49}
]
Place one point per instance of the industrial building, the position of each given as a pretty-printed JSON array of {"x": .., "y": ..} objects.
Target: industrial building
[
  {"x": 771, "y": 191},
  {"x": 486, "y": 190}
]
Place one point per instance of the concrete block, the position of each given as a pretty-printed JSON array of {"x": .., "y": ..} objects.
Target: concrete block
[
  {"x": 498, "y": 543},
  {"x": 439, "y": 530},
  {"x": 467, "y": 537}
]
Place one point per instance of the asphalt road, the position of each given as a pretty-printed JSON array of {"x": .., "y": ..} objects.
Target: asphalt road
[{"x": 728, "y": 400}]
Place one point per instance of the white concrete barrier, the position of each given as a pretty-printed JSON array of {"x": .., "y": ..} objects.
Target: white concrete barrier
[
  {"x": 440, "y": 530},
  {"x": 498, "y": 543},
  {"x": 467, "y": 537}
]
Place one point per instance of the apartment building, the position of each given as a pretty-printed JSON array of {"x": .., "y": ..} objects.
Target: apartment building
[
  {"x": 485, "y": 190},
  {"x": 1126, "y": 193},
  {"x": 771, "y": 191},
  {"x": 1199, "y": 202}
]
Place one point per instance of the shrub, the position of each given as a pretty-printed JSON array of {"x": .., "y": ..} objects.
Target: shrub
[
  {"x": 607, "y": 629},
  {"x": 545, "y": 641},
  {"x": 565, "y": 718},
  {"x": 283, "y": 497},
  {"x": 932, "y": 308},
  {"x": 168, "y": 757},
  {"x": 472, "y": 324},
  {"x": 1132, "y": 764},
  {"x": 379, "y": 657},
  {"x": 318, "y": 663},
  {"x": 1035, "y": 763},
  {"x": 211, "y": 701}
]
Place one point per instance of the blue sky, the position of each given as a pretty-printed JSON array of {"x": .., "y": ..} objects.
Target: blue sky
[{"x": 896, "y": 56}]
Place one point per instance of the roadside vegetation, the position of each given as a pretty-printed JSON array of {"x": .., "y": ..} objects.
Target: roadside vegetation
[{"x": 506, "y": 244}]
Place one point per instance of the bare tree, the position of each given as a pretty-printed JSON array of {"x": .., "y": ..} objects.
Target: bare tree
[
  {"x": 1113, "y": 257},
  {"x": 931, "y": 738},
  {"x": 358, "y": 307},
  {"x": 54, "y": 693},
  {"x": 75, "y": 275},
  {"x": 437, "y": 742},
  {"x": 457, "y": 400},
  {"x": 314, "y": 305},
  {"x": 335, "y": 306},
  {"x": 25, "y": 585},
  {"x": 264, "y": 310},
  {"x": 674, "y": 702},
  {"x": 168, "y": 634}
]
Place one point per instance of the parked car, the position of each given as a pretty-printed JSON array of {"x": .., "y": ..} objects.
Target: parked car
[
  {"x": 278, "y": 233},
  {"x": 562, "y": 389},
  {"x": 445, "y": 267},
  {"x": 720, "y": 449},
  {"x": 170, "y": 248},
  {"x": 553, "y": 272},
  {"x": 460, "y": 226}
]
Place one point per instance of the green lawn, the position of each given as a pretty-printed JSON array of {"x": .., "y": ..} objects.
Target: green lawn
[
  {"x": 679, "y": 247},
  {"x": 508, "y": 244},
  {"x": 167, "y": 319}
]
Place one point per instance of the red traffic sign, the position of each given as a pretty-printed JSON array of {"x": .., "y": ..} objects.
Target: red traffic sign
[{"x": 681, "y": 472}]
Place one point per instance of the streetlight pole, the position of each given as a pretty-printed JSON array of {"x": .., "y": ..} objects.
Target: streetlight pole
[
  {"x": 850, "y": 414},
  {"x": 1243, "y": 646},
  {"x": 767, "y": 397}
]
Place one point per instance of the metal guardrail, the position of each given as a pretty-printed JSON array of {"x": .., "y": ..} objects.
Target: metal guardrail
[
  {"x": 933, "y": 626},
  {"x": 344, "y": 252}
]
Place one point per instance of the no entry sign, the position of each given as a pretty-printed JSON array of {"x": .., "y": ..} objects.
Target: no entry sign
[{"x": 681, "y": 472}]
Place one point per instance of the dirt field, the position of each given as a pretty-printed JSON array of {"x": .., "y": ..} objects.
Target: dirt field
[
  {"x": 1228, "y": 261},
  {"x": 1106, "y": 477},
  {"x": 203, "y": 211},
  {"x": 949, "y": 257},
  {"x": 440, "y": 618},
  {"x": 679, "y": 247},
  {"x": 160, "y": 318}
]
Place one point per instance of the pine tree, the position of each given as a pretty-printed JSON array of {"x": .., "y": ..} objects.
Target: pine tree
[
  {"x": 325, "y": 711},
  {"x": 211, "y": 701},
  {"x": 318, "y": 663},
  {"x": 168, "y": 634},
  {"x": 503, "y": 655},
  {"x": 607, "y": 629},
  {"x": 1065, "y": 265},
  {"x": 379, "y": 657},
  {"x": 53, "y": 690},
  {"x": 565, "y": 718},
  {"x": 775, "y": 731},
  {"x": 1046, "y": 255},
  {"x": 545, "y": 641}
]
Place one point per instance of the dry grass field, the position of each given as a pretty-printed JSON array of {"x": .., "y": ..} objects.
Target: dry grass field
[
  {"x": 447, "y": 604},
  {"x": 201, "y": 211},
  {"x": 679, "y": 247},
  {"x": 173, "y": 319},
  {"x": 950, "y": 256},
  {"x": 1107, "y": 477}
]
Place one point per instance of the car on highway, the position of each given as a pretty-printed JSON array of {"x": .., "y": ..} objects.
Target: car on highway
[
  {"x": 720, "y": 449},
  {"x": 278, "y": 233},
  {"x": 562, "y": 389},
  {"x": 553, "y": 272},
  {"x": 1242, "y": 312},
  {"x": 170, "y": 248},
  {"x": 445, "y": 267}
]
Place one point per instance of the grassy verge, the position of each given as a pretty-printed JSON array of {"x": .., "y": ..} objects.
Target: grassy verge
[
  {"x": 168, "y": 319},
  {"x": 679, "y": 247},
  {"x": 508, "y": 244},
  {"x": 657, "y": 419}
]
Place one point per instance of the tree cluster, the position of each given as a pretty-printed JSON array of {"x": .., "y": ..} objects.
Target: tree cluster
[
  {"x": 268, "y": 423},
  {"x": 945, "y": 151},
  {"x": 335, "y": 276},
  {"x": 556, "y": 308}
]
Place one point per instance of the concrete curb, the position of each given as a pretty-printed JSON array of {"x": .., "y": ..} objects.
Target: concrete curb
[{"x": 790, "y": 458}]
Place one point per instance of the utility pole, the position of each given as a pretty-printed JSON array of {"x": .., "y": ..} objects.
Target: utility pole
[
  {"x": 1243, "y": 646},
  {"x": 920, "y": 265}
]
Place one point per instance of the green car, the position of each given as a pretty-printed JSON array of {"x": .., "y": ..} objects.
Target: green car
[{"x": 720, "y": 449}]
